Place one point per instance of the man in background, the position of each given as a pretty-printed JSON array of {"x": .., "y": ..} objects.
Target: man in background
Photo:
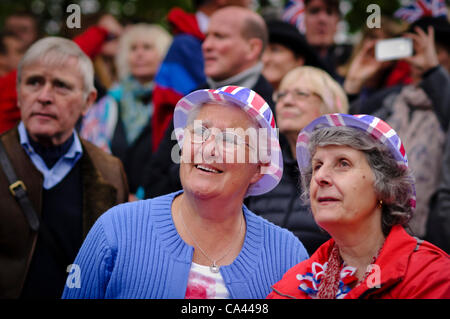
[
  {"x": 57, "y": 184},
  {"x": 232, "y": 50},
  {"x": 185, "y": 59},
  {"x": 321, "y": 21}
]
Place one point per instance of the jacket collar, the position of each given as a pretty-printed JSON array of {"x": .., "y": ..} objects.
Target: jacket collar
[
  {"x": 247, "y": 78},
  {"x": 392, "y": 262},
  {"x": 392, "y": 265},
  {"x": 98, "y": 194}
]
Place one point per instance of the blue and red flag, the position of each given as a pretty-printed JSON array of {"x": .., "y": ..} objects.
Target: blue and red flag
[{"x": 420, "y": 9}]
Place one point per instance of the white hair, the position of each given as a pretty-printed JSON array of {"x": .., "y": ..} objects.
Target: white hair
[
  {"x": 56, "y": 51},
  {"x": 158, "y": 36}
]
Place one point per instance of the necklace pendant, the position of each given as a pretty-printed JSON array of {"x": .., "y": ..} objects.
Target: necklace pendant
[{"x": 214, "y": 268}]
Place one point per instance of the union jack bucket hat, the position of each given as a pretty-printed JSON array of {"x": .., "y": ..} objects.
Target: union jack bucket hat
[
  {"x": 371, "y": 125},
  {"x": 257, "y": 108}
]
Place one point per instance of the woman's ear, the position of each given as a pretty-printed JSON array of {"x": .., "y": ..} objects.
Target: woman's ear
[{"x": 258, "y": 173}]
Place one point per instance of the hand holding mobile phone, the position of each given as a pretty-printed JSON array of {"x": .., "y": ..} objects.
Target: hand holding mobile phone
[
  {"x": 425, "y": 55},
  {"x": 393, "y": 49}
]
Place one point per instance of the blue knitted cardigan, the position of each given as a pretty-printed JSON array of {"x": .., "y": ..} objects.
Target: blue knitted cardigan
[{"x": 134, "y": 251}]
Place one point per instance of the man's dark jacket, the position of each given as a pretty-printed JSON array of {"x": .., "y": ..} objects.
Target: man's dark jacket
[{"x": 104, "y": 185}]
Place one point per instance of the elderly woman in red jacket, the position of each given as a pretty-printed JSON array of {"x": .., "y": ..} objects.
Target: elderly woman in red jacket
[{"x": 355, "y": 174}]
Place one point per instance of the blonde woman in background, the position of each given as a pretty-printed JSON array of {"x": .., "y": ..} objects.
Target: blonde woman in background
[
  {"x": 304, "y": 94},
  {"x": 120, "y": 122}
]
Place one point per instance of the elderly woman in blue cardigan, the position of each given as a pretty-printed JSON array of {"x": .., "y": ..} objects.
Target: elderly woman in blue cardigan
[{"x": 200, "y": 242}]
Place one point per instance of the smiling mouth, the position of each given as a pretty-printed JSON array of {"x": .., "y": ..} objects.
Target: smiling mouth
[{"x": 207, "y": 169}]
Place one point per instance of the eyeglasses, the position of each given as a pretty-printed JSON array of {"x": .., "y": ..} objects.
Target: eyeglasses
[
  {"x": 226, "y": 139},
  {"x": 297, "y": 94}
]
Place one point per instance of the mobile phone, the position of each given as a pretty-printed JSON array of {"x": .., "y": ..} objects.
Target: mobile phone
[{"x": 393, "y": 49}]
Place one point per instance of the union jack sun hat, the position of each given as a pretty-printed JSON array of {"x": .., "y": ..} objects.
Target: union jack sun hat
[
  {"x": 372, "y": 125},
  {"x": 257, "y": 108}
]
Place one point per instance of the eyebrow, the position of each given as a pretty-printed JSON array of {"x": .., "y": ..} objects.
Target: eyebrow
[
  {"x": 64, "y": 82},
  {"x": 35, "y": 77},
  {"x": 338, "y": 155}
]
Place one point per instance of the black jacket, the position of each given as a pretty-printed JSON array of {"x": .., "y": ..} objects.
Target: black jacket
[{"x": 438, "y": 224}]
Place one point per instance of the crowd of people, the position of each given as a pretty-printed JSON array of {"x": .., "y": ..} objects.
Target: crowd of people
[{"x": 231, "y": 156}]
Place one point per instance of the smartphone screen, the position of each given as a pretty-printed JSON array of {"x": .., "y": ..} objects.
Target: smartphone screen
[{"x": 393, "y": 49}]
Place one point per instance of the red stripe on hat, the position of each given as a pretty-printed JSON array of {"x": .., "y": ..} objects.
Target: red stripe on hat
[
  {"x": 258, "y": 102},
  {"x": 303, "y": 138},
  {"x": 272, "y": 122},
  {"x": 335, "y": 119},
  {"x": 402, "y": 150},
  {"x": 216, "y": 96},
  {"x": 383, "y": 127},
  {"x": 185, "y": 105},
  {"x": 230, "y": 89},
  {"x": 252, "y": 112}
]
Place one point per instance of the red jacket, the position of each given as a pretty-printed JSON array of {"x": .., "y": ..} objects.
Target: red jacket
[
  {"x": 9, "y": 112},
  {"x": 408, "y": 269}
]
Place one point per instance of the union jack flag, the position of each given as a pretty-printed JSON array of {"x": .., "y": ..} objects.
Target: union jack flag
[
  {"x": 294, "y": 13},
  {"x": 422, "y": 8}
]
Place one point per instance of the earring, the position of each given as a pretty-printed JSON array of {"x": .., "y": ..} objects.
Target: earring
[{"x": 380, "y": 203}]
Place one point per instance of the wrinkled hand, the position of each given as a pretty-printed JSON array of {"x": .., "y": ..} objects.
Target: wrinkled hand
[
  {"x": 425, "y": 56},
  {"x": 362, "y": 69}
]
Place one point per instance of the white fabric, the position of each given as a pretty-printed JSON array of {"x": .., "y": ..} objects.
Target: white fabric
[{"x": 204, "y": 284}]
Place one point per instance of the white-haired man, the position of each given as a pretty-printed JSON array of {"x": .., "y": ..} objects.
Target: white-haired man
[{"x": 56, "y": 184}]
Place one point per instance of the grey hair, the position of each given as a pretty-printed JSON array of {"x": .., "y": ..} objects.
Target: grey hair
[
  {"x": 57, "y": 51},
  {"x": 393, "y": 184}
]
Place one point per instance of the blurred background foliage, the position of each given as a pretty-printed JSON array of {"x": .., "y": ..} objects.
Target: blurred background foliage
[{"x": 52, "y": 13}]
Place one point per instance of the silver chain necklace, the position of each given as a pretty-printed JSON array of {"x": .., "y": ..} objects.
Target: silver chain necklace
[{"x": 214, "y": 268}]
